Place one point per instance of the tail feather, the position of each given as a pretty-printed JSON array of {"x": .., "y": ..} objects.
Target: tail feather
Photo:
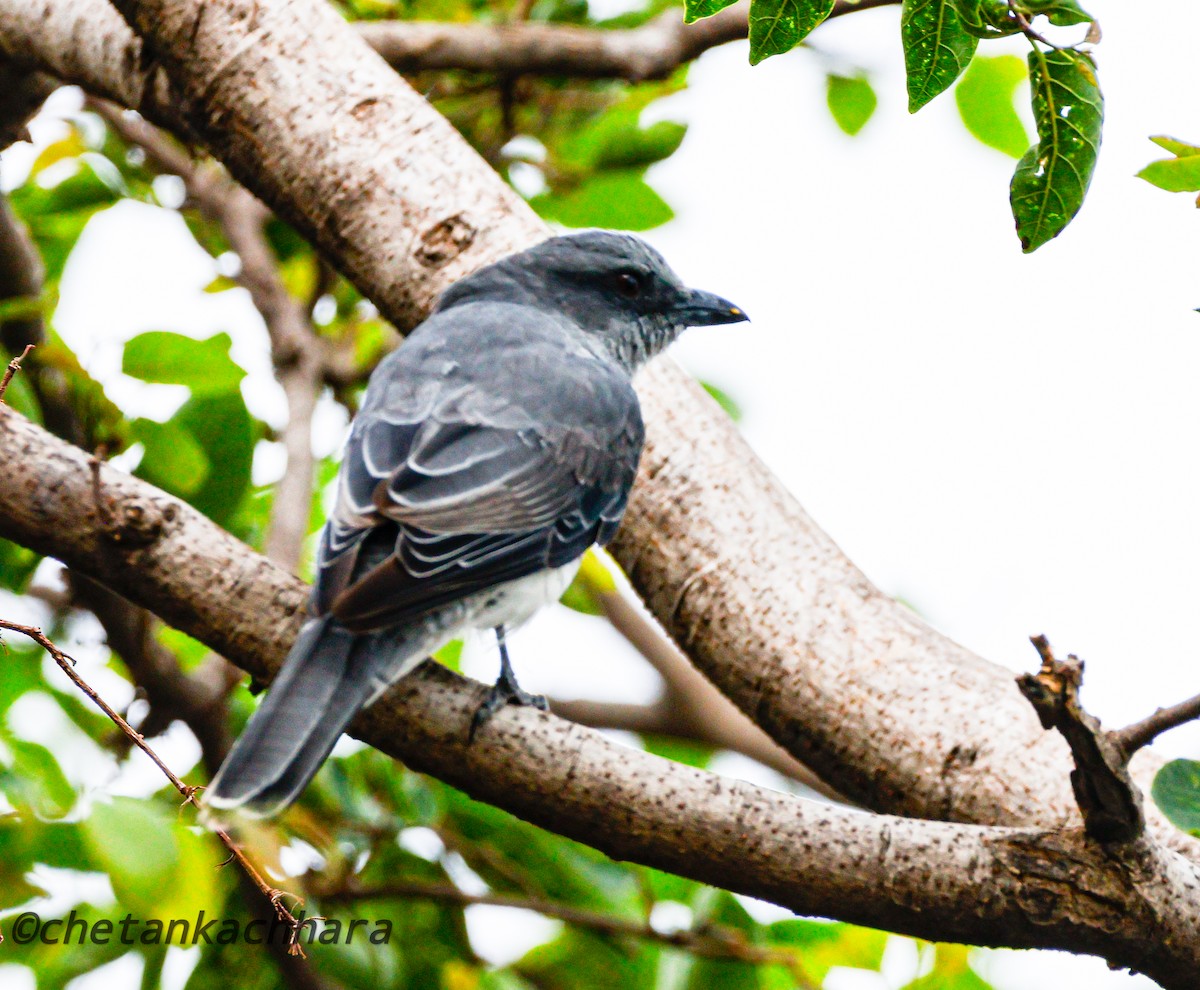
[{"x": 329, "y": 675}]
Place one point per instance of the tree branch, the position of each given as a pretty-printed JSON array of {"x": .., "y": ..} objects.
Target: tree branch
[
  {"x": 1135, "y": 904},
  {"x": 652, "y": 51},
  {"x": 21, "y": 95},
  {"x": 1134, "y": 737}
]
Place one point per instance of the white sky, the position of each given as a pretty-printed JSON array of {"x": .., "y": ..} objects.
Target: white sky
[{"x": 1007, "y": 441}]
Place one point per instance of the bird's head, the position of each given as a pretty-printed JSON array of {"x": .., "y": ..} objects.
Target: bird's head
[{"x": 614, "y": 286}]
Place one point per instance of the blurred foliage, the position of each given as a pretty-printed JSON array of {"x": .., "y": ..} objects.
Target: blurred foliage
[
  {"x": 851, "y": 100},
  {"x": 985, "y": 101}
]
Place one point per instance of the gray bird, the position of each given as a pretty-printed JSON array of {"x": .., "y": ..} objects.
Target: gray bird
[{"x": 493, "y": 447}]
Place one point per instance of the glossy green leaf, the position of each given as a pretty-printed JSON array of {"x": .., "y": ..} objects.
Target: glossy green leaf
[
  {"x": 693, "y": 10},
  {"x": 173, "y": 459},
  {"x": 778, "y": 26},
  {"x": 1052, "y": 177},
  {"x": 937, "y": 48},
  {"x": 204, "y": 366},
  {"x": 1176, "y": 791},
  {"x": 851, "y": 100},
  {"x": 985, "y": 102},
  {"x": 1178, "y": 174},
  {"x": 617, "y": 199}
]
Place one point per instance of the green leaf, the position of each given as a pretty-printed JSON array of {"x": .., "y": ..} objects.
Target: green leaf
[
  {"x": 724, "y": 400},
  {"x": 618, "y": 199},
  {"x": 719, "y": 908},
  {"x": 173, "y": 460},
  {"x": 987, "y": 18},
  {"x": 17, "y": 565},
  {"x": 1061, "y": 13},
  {"x": 937, "y": 48},
  {"x": 204, "y": 366},
  {"x": 778, "y": 26},
  {"x": 136, "y": 846},
  {"x": 1176, "y": 791},
  {"x": 1180, "y": 148},
  {"x": 851, "y": 101},
  {"x": 985, "y": 103},
  {"x": 1052, "y": 177},
  {"x": 158, "y": 867},
  {"x": 226, "y": 432},
  {"x": 693, "y": 10},
  {"x": 32, "y": 779},
  {"x": 1178, "y": 174}
]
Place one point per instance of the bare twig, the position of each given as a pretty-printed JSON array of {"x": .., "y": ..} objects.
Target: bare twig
[
  {"x": 1106, "y": 795},
  {"x": 67, "y": 664},
  {"x": 1134, "y": 737},
  {"x": 652, "y": 51},
  {"x": 709, "y": 942},
  {"x": 13, "y": 367}
]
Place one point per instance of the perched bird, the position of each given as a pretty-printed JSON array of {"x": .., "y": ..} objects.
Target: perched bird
[{"x": 493, "y": 447}]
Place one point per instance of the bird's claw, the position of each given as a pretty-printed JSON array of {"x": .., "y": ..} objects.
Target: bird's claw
[{"x": 504, "y": 692}]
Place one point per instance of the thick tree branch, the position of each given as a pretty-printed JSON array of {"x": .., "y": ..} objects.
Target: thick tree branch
[
  {"x": 851, "y": 683},
  {"x": 691, "y": 706},
  {"x": 1134, "y": 904}
]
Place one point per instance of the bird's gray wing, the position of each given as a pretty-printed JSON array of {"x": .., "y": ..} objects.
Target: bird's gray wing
[{"x": 485, "y": 485}]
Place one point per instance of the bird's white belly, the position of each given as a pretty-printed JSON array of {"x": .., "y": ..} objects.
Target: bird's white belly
[{"x": 511, "y": 604}]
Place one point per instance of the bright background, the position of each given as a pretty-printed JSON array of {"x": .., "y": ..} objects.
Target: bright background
[{"x": 1006, "y": 441}]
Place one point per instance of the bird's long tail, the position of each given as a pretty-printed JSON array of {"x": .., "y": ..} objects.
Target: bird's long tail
[{"x": 329, "y": 675}]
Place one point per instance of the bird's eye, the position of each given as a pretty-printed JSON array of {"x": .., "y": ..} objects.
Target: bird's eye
[{"x": 628, "y": 285}]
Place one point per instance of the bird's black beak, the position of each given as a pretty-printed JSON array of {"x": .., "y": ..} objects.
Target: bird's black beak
[{"x": 696, "y": 308}]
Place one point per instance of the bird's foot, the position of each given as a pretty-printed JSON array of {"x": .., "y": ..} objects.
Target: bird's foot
[{"x": 505, "y": 691}]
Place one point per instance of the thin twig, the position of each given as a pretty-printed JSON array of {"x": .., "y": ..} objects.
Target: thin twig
[
  {"x": 67, "y": 664},
  {"x": 709, "y": 942},
  {"x": 13, "y": 367},
  {"x": 1134, "y": 737}
]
